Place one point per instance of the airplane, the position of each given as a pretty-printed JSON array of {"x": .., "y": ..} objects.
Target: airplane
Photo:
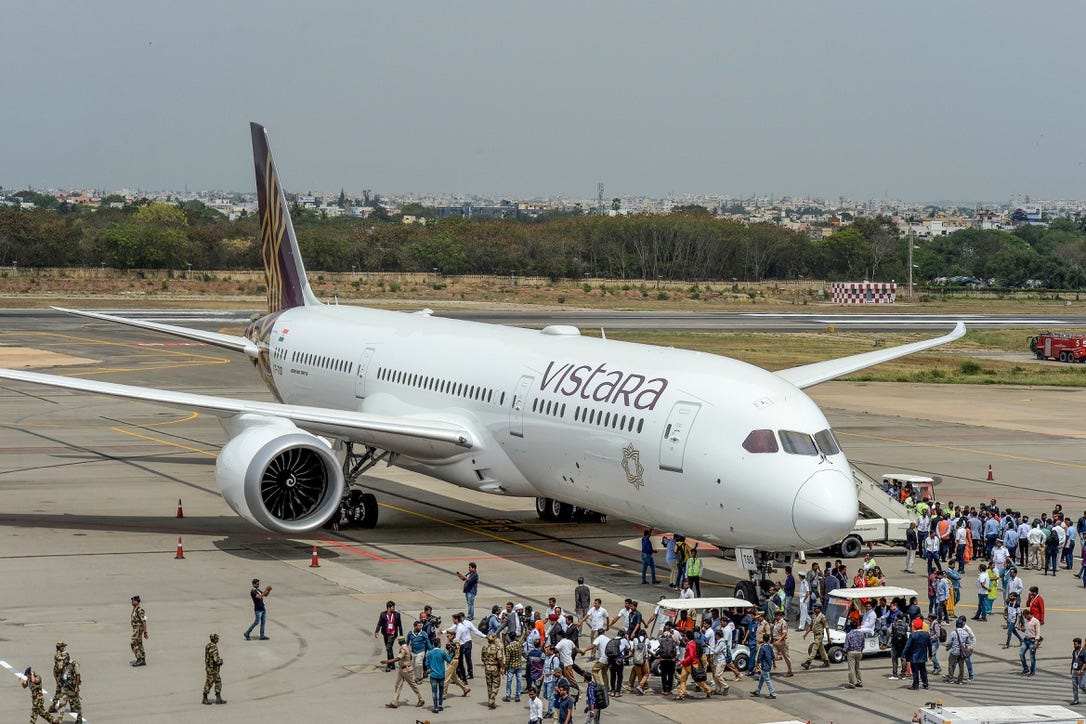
[{"x": 721, "y": 450}]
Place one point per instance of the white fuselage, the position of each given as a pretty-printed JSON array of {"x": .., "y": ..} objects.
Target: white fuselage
[{"x": 650, "y": 434}]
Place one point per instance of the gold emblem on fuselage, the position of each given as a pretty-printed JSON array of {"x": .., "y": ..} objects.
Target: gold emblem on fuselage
[{"x": 631, "y": 465}]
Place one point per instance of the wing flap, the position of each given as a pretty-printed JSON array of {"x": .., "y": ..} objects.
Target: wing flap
[
  {"x": 414, "y": 437},
  {"x": 812, "y": 374},
  {"x": 226, "y": 341}
]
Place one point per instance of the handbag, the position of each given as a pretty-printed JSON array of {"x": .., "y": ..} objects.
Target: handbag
[{"x": 698, "y": 673}]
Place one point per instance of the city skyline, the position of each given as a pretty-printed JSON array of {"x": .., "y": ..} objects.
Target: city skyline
[{"x": 960, "y": 103}]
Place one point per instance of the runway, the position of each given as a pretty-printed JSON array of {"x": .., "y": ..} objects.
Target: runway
[{"x": 91, "y": 486}]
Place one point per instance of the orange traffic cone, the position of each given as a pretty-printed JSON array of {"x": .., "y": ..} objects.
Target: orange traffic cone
[
  {"x": 315, "y": 563},
  {"x": 180, "y": 551},
  {"x": 990, "y": 473},
  {"x": 180, "y": 513}
]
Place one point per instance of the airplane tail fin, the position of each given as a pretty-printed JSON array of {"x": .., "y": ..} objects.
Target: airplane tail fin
[{"x": 284, "y": 274}]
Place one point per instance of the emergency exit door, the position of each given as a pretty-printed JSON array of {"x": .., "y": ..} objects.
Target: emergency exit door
[
  {"x": 363, "y": 368},
  {"x": 520, "y": 401},
  {"x": 676, "y": 433}
]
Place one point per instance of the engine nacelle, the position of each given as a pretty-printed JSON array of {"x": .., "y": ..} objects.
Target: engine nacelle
[{"x": 280, "y": 477}]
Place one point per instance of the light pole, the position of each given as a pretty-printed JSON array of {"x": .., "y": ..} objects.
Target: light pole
[{"x": 910, "y": 265}]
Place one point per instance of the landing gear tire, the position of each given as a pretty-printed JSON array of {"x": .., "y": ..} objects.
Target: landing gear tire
[
  {"x": 543, "y": 508},
  {"x": 746, "y": 591},
  {"x": 559, "y": 511},
  {"x": 362, "y": 509},
  {"x": 850, "y": 547}
]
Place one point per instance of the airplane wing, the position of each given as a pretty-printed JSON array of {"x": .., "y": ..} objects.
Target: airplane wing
[
  {"x": 812, "y": 374},
  {"x": 226, "y": 341},
  {"x": 419, "y": 438}
]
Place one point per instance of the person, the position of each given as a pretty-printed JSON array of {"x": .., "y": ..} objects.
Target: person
[
  {"x": 596, "y": 616},
  {"x": 565, "y": 650},
  {"x": 779, "y": 635},
  {"x": 694, "y": 567},
  {"x": 471, "y": 587},
  {"x": 462, "y": 630},
  {"x": 1036, "y": 604},
  {"x": 899, "y": 636},
  {"x": 804, "y": 602},
  {"x": 931, "y": 551},
  {"x": 1011, "y": 613},
  {"x": 912, "y": 542},
  {"x": 551, "y": 669},
  {"x": 935, "y": 630},
  {"x": 764, "y": 667},
  {"x": 581, "y": 597},
  {"x": 514, "y": 664},
  {"x": 32, "y": 681},
  {"x": 212, "y": 667},
  {"x": 591, "y": 697},
  {"x": 437, "y": 660},
  {"x": 139, "y": 632},
  {"x": 982, "y": 594},
  {"x": 916, "y": 652},
  {"x": 667, "y": 651},
  {"x": 390, "y": 626},
  {"x": 942, "y": 597},
  {"x": 563, "y": 703},
  {"x": 959, "y": 646},
  {"x": 817, "y": 627},
  {"x": 493, "y": 665},
  {"x": 854, "y": 653},
  {"x": 419, "y": 643},
  {"x": 405, "y": 669},
  {"x": 260, "y": 611},
  {"x": 1052, "y": 550},
  {"x": 1031, "y": 634},
  {"x": 648, "y": 563},
  {"x": 1036, "y": 538},
  {"x": 639, "y": 663},
  {"x": 1078, "y": 670},
  {"x": 535, "y": 707},
  {"x": 618, "y": 652},
  {"x": 690, "y": 661},
  {"x": 60, "y": 661}
]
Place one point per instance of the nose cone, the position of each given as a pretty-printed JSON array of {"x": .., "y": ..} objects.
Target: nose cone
[{"x": 826, "y": 508}]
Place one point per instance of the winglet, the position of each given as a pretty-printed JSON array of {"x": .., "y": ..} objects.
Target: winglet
[
  {"x": 813, "y": 374},
  {"x": 284, "y": 274}
]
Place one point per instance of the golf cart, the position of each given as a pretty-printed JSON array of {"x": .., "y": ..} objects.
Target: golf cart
[
  {"x": 840, "y": 600},
  {"x": 667, "y": 609}
]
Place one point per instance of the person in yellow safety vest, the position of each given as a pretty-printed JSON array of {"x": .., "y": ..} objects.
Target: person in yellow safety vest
[
  {"x": 910, "y": 505},
  {"x": 693, "y": 571},
  {"x": 922, "y": 507}
]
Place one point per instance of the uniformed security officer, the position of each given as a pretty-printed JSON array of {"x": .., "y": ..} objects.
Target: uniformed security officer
[
  {"x": 32, "y": 681},
  {"x": 817, "y": 627},
  {"x": 492, "y": 667},
  {"x": 70, "y": 681},
  {"x": 212, "y": 664},
  {"x": 139, "y": 632},
  {"x": 60, "y": 660}
]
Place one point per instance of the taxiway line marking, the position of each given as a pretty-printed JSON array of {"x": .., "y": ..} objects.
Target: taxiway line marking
[
  {"x": 121, "y": 430},
  {"x": 989, "y": 453},
  {"x": 355, "y": 549}
]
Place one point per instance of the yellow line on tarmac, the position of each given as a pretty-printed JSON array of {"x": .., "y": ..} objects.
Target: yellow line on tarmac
[
  {"x": 170, "y": 443},
  {"x": 986, "y": 453},
  {"x": 503, "y": 539}
]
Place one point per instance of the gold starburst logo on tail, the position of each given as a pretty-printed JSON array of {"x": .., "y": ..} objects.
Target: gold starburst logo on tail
[{"x": 631, "y": 465}]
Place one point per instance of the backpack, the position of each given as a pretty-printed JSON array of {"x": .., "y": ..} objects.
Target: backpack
[
  {"x": 942, "y": 631},
  {"x": 613, "y": 650},
  {"x": 639, "y": 653},
  {"x": 966, "y": 646},
  {"x": 603, "y": 698},
  {"x": 667, "y": 649},
  {"x": 899, "y": 629},
  {"x": 484, "y": 626}
]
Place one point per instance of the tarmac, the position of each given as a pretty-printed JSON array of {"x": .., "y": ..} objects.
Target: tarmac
[{"x": 91, "y": 489}]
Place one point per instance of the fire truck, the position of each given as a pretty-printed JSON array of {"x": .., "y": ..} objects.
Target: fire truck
[{"x": 1064, "y": 347}]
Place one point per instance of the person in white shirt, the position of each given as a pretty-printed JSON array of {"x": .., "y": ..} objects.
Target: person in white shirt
[
  {"x": 564, "y": 649},
  {"x": 535, "y": 708},
  {"x": 721, "y": 653},
  {"x": 982, "y": 594},
  {"x": 596, "y": 616},
  {"x": 1014, "y": 585},
  {"x": 804, "y": 604},
  {"x": 462, "y": 632},
  {"x": 599, "y": 646},
  {"x": 999, "y": 558},
  {"x": 687, "y": 591}
]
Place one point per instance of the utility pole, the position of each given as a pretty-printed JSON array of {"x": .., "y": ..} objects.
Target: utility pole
[
  {"x": 910, "y": 264},
  {"x": 599, "y": 198}
]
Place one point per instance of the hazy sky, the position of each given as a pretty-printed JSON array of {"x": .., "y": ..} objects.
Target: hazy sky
[{"x": 909, "y": 100}]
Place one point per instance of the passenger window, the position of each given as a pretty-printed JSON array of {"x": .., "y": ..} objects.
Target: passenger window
[
  {"x": 761, "y": 441},
  {"x": 798, "y": 443},
  {"x": 827, "y": 443}
]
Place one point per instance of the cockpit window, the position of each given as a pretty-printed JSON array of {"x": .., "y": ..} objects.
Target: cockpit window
[
  {"x": 827, "y": 443},
  {"x": 761, "y": 441},
  {"x": 798, "y": 443}
]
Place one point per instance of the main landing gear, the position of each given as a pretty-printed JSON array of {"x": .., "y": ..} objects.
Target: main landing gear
[
  {"x": 358, "y": 508},
  {"x": 555, "y": 511}
]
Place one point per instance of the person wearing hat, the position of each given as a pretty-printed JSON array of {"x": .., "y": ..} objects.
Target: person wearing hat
[
  {"x": 32, "y": 681},
  {"x": 780, "y": 639},
  {"x": 60, "y": 661},
  {"x": 817, "y": 627},
  {"x": 405, "y": 673},
  {"x": 212, "y": 664},
  {"x": 139, "y": 632},
  {"x": 260, "y": 611},
  {"x": 70, "y": 682},
  {"x": 916, "y": 653}
]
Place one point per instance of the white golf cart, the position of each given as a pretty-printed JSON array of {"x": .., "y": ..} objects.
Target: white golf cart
[
  {"x": 841, "y": 599},
  {"x": 667, "y": 609}
]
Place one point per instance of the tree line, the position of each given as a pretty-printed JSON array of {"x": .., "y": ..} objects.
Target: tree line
[{"x": 686, "y": 245}]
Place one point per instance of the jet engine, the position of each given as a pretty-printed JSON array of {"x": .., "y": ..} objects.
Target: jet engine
[{"x": 280, "y": 477}]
